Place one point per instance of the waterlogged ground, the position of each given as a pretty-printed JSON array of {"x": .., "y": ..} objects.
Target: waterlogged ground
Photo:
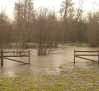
[
  {"x": 57, "y": 61},
  {"x": 53, "y": 72},
  {"x": 78, "y": 79}
]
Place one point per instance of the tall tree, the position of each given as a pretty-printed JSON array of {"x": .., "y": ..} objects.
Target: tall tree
[
  {"x": 65, "y": 8},
  {"x": 93, "y": 30},
  {"x": 5, "y": 29},
  {"x": 47, "y": 33},
  {"x": 24, "y": 14},
  {"x": 78, "y": 17}
]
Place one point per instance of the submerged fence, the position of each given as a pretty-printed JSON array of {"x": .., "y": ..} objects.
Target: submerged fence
[
  {"x": 6, "y": 54},
  {"x": 82, "y": 55}
]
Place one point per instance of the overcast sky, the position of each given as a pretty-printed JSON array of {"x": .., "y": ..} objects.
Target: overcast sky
[{"x": 9, "y": 4}]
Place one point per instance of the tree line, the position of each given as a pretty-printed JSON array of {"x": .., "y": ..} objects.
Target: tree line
[{"x": 47, "y": 29}]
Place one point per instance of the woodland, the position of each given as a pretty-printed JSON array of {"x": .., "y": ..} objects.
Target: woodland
[{"x": 46, "y": 28}]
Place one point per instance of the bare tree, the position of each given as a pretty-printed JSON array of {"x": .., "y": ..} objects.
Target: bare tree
[
  {"x": 5, "y": 29},
  {"x": 93, "y": 30},
  {"x": 65, "y": 7},
  {"x": 47, "y": 33},
  {"x": 77, "y": 18},
  {"x": 24, "y": 14}
]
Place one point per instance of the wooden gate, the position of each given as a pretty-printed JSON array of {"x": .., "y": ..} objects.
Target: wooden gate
[
  {"x": 79, "y": 55},
  {"x": 7, "y": 54}
]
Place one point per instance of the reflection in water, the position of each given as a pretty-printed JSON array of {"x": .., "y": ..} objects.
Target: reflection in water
[{"x": 59, "y": 60}]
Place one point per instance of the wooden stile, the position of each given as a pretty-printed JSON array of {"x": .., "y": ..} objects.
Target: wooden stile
[
  {"x": 80, "y": 55},
  {"x": 5, "y": 54}
]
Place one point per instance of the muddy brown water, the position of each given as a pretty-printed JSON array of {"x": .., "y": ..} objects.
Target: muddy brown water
[{"x": 58, "y": 60}]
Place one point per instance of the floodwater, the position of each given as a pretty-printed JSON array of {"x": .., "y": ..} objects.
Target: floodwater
[{"x": 58, "y": 60}]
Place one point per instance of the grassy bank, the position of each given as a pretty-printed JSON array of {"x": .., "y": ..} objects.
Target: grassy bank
[
  {"x": 78, "y": 44},
  {"x": 70, "y": 80}
]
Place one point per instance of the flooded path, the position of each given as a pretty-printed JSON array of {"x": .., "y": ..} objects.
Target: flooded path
[{"x": 59, "y": 60}]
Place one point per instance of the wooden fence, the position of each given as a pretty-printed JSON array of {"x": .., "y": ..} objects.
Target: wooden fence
[
  {"x": 6, "y": 54},
  {"x": 81, "y": 55}
]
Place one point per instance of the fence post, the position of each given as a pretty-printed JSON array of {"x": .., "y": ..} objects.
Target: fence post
[
  {"x": 98, "y": 56},
  {"x": 74, "y": 55},
  {"x": 29, "y": 57},
  {"x": 1, "y": 57}
]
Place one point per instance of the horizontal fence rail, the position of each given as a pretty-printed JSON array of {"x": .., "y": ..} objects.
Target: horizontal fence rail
[
  {"x": 86, "y": 51},
  {"x": 80, "y": 55},
  {"x": 15, "y": 54}
]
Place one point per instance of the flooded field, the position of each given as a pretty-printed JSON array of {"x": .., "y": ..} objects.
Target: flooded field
[{"x": 57, "y": 61}]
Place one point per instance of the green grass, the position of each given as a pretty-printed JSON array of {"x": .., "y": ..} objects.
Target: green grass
[
  {"x": 78, "y": 44},
  {"x": 78, "y": 79},
  {"x": 60, "y": 67}
]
